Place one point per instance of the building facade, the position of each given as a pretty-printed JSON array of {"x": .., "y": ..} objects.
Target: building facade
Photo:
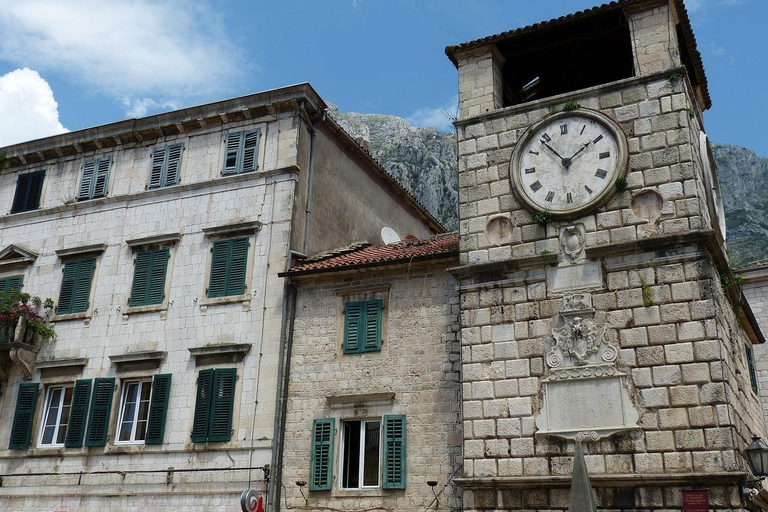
[
  {"x": 160, "y": 241},
  {"x": 594, "y": 287},
  {"x": 373, "y": 419},
  {"x": 754, "y": 285}
]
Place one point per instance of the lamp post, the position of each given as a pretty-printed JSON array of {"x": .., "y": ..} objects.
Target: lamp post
[{"x": 757, "y": 456}]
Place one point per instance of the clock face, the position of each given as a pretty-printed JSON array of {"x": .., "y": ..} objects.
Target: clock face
[{"x": 569, "y": 162}]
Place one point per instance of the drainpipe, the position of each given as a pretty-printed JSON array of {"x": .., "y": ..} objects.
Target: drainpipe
[{"x": 283, "y": 379}]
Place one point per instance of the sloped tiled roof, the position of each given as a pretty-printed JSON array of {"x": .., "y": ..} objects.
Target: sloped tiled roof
[
  {"x": 685, "y": 23},
  {"x": 367, "y": 255}
]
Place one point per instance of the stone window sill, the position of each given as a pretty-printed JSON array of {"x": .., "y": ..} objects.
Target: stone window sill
[
  {"x": 244, "y": 298},
  {"x": 132, "y": 310},
  {"x": 71, "y": 316}
]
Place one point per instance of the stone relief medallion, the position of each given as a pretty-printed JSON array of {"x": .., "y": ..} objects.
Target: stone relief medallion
[
  {"x": 572, "y": 243},
  {"x": 583, "y": 395}
]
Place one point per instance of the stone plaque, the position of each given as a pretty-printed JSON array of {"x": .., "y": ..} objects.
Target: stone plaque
[
  {"x": 595, "y": 405},
  {"x": 580, "y": 276}
]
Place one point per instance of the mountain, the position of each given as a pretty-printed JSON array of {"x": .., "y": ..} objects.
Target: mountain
[
  {"x": 743, "y": 178},
  {"x": 424, "y": 160}
]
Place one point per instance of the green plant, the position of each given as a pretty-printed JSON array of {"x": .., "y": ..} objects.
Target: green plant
[
  {"x": 15, "y": 304},
  {"x": 675, "y": 77},
  {"x": 621, "y": 183},
  {"x": 647, "y": 293},
  {"x": 570, "y": 105},
  {"x": 729, "y": 283},
  {"x": 544, "y": 252},
  {"x": 542, "y": 217},
  {"x": 691, "y": 112}
]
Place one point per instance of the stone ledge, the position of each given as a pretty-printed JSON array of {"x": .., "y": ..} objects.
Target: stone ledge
[
  {"x": 225, "y": 353},
  {"x": 154, "y": 240},
  {"x": 138, "y": 360},
  {"x": 79, "y": 251},
  {"x": 610, "y": 480},
  {"x": 62, "y": 363},
  {"x": 362, "y": 399}
]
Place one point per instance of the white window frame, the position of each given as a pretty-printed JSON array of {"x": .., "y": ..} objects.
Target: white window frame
[
  {"x": 123, "y": 397},
  {"x": 361, "y": 460},
  {"x": 47, "y": 410}
]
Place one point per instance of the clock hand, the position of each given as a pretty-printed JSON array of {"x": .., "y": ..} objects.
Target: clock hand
[
  {"x": 582, "y": 148},
  {"x": 562, "y": 160}
]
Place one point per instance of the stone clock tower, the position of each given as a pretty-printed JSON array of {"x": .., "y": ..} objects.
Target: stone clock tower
[{"x": 597, "y": 303}]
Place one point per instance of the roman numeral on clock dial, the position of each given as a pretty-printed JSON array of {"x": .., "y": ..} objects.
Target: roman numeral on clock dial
[
  {"x": 535, "y": 186},
  {"x": 530, "y": 170},
  {"x": 550, "y": 196},
  {"x": 601, "y": 173}
]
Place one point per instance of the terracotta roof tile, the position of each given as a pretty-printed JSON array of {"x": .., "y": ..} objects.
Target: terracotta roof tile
[{"x": 406, "y": 250}]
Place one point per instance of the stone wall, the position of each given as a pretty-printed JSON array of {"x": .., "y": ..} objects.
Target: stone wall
[
  {"x": 755, "y": 288},
  {"x": 418, "y": 364}
]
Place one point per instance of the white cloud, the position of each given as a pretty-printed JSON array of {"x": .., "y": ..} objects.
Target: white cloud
[
  {"x": 437, "y": 117},
  {"x": 145, "y": 54},
  {"x": 27, "y": 108}
]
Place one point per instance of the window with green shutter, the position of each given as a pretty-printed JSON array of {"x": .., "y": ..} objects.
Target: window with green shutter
[
  {"x": 76, "y": 286},
  {"x": 158, "y": 409},
  {"x": 214, "y": 404},
  {"x": 29, "y": 189},
  {"x": 166, "y": 165},
  {"x": 393, "y": 462},
  {"x": 101, "y": 406},
  {"x": 78, "y": 414},
  {"x": 242, "y": 152},
  {"x": 11, "y": 284},
  {"x": 229, "y": 260},
  {"x": 95, "y": 178},
  {"x": 751, "y": 367},
  {"x": 150, "y": 268},
  {"x": 362, "y": 326},
  {"x": 321, "y": 466},
  {"x": 21, "y": 432}
]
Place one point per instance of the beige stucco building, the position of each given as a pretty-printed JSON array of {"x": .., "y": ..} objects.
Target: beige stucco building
[{"x": 160, "y": 240}]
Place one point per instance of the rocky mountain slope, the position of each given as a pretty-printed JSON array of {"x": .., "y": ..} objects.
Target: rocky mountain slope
[
  {"x": 424, "y": 160},
  {"x": 743, "y": 180}
]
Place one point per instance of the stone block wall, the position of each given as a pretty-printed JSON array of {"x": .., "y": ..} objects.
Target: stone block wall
[
  {"x": 418, "y": 364},
  {"x": 755, "y": 290}
]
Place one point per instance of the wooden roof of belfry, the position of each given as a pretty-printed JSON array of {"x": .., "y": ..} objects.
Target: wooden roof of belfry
[{"x": 685, "y": 24}]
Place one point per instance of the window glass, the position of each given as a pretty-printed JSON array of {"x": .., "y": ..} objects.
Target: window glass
[
  {"x": 360, "y": 454},
  {"x": 134, "y": 412},
  {"x": 56, "y": 416}
]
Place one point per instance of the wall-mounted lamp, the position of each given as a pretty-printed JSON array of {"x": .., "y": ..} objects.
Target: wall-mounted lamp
[
  {"x": 432, "y": 484},
  {"x": 301, "y": 484},
  {"x": 757, "y": 456}
]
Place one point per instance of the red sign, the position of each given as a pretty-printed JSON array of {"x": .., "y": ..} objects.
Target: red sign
[{"x": 695, "y": 500}]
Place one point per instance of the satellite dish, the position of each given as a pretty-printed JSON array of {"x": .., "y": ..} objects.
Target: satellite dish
[
  {"x": 250, "y": 501},
  {"x": 389, "y": 236}
]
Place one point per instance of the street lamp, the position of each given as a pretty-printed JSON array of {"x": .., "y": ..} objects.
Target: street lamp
[{"x": 757, "y": 456}]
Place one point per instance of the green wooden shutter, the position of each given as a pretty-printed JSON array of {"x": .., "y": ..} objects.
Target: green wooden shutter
[
  {"x": 66, "y": 294},
  {"x": 393, "y": 462},
  {"x": 372, "y": 325},
  {"x": 202, "y": 406},
  {"x": 751, "y": 367},
  {"x": 251, "y": 151},
  {"x": 217, "y": 285},
  {"x": 101, "y": 405},
  {"x": 82, "y": 291},
  {"x": 12, "y": 283},
  {"x": 86, "y": 181},
  {"x": 222, "y": 404},
  {"x": 21, "y": 433},
  {"x": 353, "y": 316},
  {"x": 141, "y": 270},
  {"x": 238, "y": 264},
  {"x": 321, "y": 466},
  {"x": 234, "y": 158},
  {"x": 22, "y": 192},
  {"x": 102, "y": 177},
  {"x": 156, "y": 288},
  {"x": 78, "y": 413},
  {"x": 158, "y": 409},
  {"x": 156, "y": 171},
  {"x": 173, "y": 164}
]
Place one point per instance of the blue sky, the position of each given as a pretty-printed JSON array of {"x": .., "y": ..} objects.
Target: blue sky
[{"x": 72, "y": 64}]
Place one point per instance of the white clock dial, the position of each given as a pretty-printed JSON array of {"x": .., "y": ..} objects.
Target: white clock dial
[{"x": 569, "y": 162}]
